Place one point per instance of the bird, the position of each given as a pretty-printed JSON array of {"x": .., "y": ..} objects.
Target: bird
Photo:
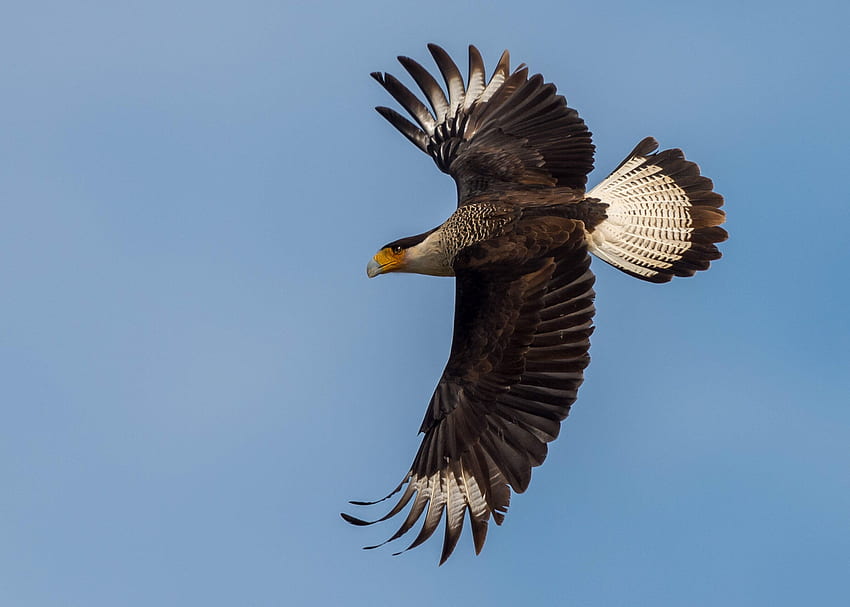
[{"x": 519, "y": 247}]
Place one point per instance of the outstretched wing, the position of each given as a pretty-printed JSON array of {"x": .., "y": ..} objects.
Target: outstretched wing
[
  {"x": 523, "y": 314},
  {"x": 506, "y": 133}
]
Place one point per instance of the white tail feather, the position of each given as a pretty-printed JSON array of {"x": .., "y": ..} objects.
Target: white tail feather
[{"x": 661, "y": 216}]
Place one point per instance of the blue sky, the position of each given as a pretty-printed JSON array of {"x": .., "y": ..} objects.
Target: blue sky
[{"x": 196, "y": 374}]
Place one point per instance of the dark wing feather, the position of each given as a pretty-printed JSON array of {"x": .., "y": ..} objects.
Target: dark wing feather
[
  {"x": 523, "y": 319},
  {"x": 512, "y": 132}
]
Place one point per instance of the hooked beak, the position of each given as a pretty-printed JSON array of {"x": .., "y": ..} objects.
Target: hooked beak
[
  {"x": 373, "y": 268},
  {"x": 385, "y": 260}
]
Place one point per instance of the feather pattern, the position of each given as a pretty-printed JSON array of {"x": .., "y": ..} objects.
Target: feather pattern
[
  {"x": 662, "y": 216},
  {"x": 492, "y": 135},
  {"x": 477, "y": 80},
  {"x": 504, "y": 391},
  {"x": 435, "y": 95},
  {"x": 451, "y": 76},
  {"x": 408, "y": 101}
]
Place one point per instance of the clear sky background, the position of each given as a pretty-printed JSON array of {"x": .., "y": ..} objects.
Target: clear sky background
[{"x": 196, "y": 374}]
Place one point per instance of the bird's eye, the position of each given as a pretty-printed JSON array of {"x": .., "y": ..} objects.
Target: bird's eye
[{"x": 396, "y": 250}]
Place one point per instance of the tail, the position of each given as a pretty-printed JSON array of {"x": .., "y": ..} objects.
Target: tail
[{"x": 662, "y": 216}]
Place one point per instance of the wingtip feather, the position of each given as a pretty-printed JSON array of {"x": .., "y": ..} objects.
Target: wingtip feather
[{"x": 359, "y": 522}]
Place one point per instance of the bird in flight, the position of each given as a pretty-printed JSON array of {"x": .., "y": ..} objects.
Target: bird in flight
[{"x": 518, "y": 246}]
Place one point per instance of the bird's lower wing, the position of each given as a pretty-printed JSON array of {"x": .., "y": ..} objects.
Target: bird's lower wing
[{"x": 523, "y": 319}]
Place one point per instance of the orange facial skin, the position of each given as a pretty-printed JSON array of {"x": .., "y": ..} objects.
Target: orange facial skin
[{"x": 385, "y": 260}]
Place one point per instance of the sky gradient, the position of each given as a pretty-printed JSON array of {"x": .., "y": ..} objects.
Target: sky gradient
[{"x": 196, "y": 374}]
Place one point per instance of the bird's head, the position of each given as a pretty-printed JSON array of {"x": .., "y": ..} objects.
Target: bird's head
[
  {"x": 416, "y": 254},
  {"x": 390, "y": 258}
]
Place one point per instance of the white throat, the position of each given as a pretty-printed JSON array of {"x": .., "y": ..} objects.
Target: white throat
[{"x": 429, "y": 257}]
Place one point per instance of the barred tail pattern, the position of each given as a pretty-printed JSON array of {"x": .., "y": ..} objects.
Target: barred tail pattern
[{"x": 663, "y": 217}]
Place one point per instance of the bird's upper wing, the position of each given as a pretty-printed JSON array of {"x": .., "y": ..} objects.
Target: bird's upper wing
[
  {"x": 511, "y": 131},
  {"x": 523, "y": 318}
]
